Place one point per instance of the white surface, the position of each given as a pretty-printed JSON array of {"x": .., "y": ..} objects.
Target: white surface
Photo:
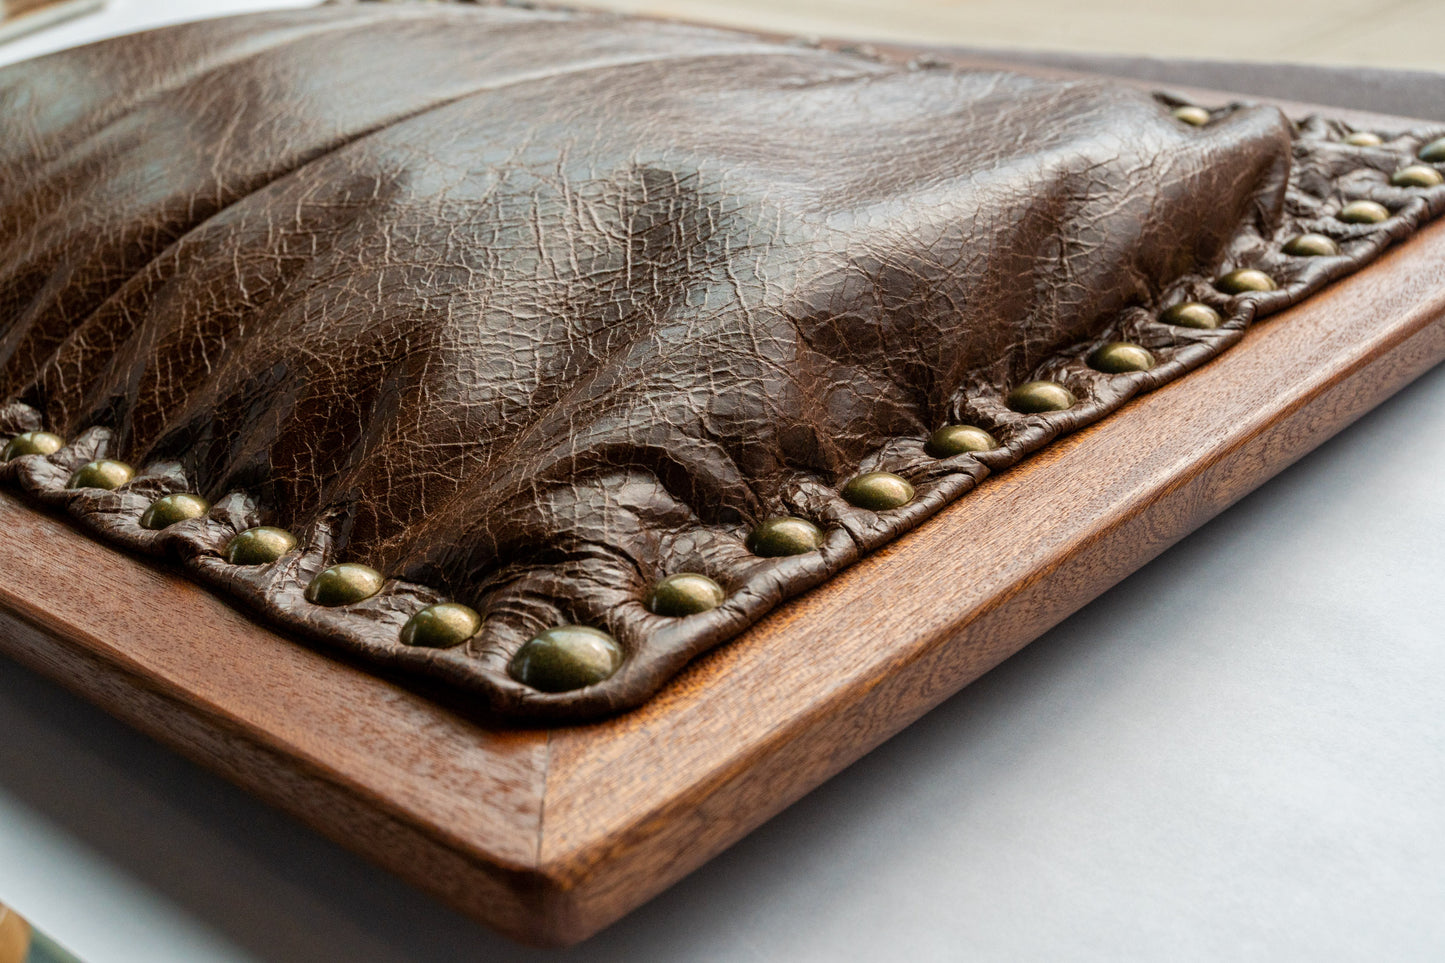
[{"x": 1237, "y": 754}]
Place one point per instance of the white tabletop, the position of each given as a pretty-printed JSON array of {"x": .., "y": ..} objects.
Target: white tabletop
[{"x": 1237, "y": 754}]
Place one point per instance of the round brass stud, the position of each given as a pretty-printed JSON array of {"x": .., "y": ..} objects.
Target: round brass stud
[
  {"x": 1364, "y": 138},
  {"x": 103, "y": 473},
  {"x": 1192, "y": 115},
  {"x": 32, "y": 443},
  {"x": 1434, "y": 152},
  {"x": 1246, "y": 281},
  {"x": 1038, "y": 397},
  {"x": 1363, "y": 212},
  {"x": 776, "y": 537},
  {"x": 441, "y": 626},
  {"x": 180, "y": 507},
  {"x": 1417, "y": 175},
  {"x": 566, "y": 657},
  {"x": 686, "y": 593},
  {"x": 343, "y": 584},
  {"x": 261, "y": 545},
  {"x": 1191, "y": 314},
  {"x": 1311, "y": 245},
  {"x": 953, "y": 440},
  {"x": 1118, "y": 357},
  {"x": 878, "y": 491}
]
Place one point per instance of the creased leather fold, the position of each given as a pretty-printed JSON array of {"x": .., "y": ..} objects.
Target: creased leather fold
[{"x": 528, "y": 309}]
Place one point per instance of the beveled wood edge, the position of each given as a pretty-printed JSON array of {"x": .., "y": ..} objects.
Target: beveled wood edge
[
  {"x": 27, "y": 16},
  {"x": 457, "y": 813},
  {"x": 549, "y": 837},
  {"x": 508, "y": 898}
]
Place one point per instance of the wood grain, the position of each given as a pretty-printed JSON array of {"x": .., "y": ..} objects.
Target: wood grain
[
  {"x": 549, "y": 836},
  {"x": 19, "y": 17},
  {"x": 359, "y": 759},
  {"x": 14, "y": 936}
]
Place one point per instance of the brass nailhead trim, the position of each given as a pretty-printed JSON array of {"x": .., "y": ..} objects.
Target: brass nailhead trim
[
  {"x": 1364, "y": 212},
  {"x": 566, "y": 657},
  {"x": 878, "y": 491},
  {"x": 953, "y": 440},
  {"x": 1246, "y": 281},
  {"x": 1039, "y": 397},
  {"x": 261, "y": 545},
  {"x": 1417, "y": 175},
  {"x": 171, "y": 509},
  {"x": 1121, "y": 357},
  {"x": 102, "y": 473},
  {"x": 344, "y": 584},
  {"x": 1191, "y": 115},
  {"x": 684, "y": 594},
  {"x": 1364, "y": 138},
  {"x": 1191, "y": 314},
  {"x": 32, "y": 443},
  {"x": 441, "y": 626},
  {"x": 1311, "y": 245},
  {"x": 784, "y": 535}
]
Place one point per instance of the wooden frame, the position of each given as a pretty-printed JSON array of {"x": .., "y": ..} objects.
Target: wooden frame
[
  {"x": 551, "y": 835},
  {"x": 19, "y": 17}
]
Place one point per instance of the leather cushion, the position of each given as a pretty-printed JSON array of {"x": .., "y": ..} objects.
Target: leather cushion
[{"x": 530, "y": 308}]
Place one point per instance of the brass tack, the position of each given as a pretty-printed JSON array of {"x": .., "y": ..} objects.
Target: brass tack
[
  {"x": 953, "y": 440},
  {"x": 170, "y": 509},
  {"x": 776, "y": 537},
  {"x": 1038, "y": 397},
  {"x": 1417, "y": 175},
  {"x": 685, "y": 593},
  {"x": 1191, "y": 314},
  {"x": 441, "y": 626},
  {"x": 1364, "y": 138},
  {"x": 1434, "y": 152},
  {"x": 1364, "y": 212},
  {"x": 261, "y": 545},
  {"x": 1311, "y": 245},
  {"x": 1245, "y": 281},
  {"x": 566, "y": 657},
  {"x": 1192, "y": 115},
  {"x": 1119, "y": 357},
  {"x": 32, "y": 443},
  {"x": 878, "y": 491},
  {"x": 344, "y": 584},
  {"x": 102, "y": 473}
]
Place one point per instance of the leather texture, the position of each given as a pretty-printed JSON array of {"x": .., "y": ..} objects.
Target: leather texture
[{"x": 530, "y": 308}]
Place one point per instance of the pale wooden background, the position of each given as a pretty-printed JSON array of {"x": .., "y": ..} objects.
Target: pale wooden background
[{"x": 1381, "y": 33}]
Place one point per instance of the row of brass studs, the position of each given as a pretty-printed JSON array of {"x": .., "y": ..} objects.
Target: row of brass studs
[
  {"x": 441, "y": 625},
  {"x": 690, "y": 593}
]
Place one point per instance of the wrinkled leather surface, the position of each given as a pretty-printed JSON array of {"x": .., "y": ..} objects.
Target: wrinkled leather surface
[{"x": 528, "y": 309}]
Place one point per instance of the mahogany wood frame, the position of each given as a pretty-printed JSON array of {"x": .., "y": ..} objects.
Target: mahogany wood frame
[
  {"x": 19, "y": 17},
  {"x": 551, "y": 835}
]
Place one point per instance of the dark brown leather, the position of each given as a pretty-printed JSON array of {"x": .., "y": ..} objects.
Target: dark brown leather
[{"x": 528, "y": 309}]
